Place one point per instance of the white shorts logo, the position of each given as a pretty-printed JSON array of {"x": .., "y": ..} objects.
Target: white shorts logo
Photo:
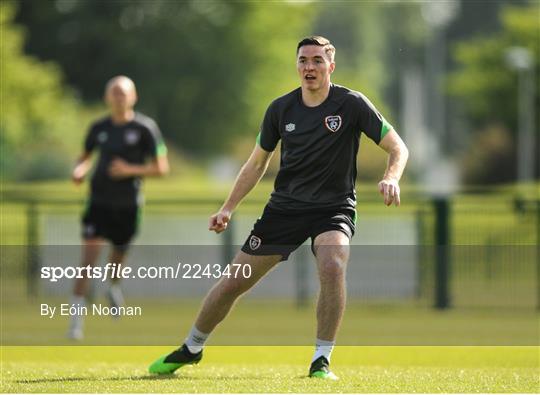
[
  {"x": 254, "y": 242},
  {"x": 89, "y": 230}
]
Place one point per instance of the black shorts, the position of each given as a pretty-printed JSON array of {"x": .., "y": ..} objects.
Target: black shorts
[
  {"x": 118, "y": 225},
  {"x": 280, "y": 232}
]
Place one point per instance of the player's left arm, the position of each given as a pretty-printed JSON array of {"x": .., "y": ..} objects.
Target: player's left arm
[
  {"x": 397, "y": 159},
  {"x": 157, "y": 166}
]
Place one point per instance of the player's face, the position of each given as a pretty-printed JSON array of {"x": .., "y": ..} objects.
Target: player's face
[
  {"x": 120, "y": 97},
  {"x": 314, "y": 67}
]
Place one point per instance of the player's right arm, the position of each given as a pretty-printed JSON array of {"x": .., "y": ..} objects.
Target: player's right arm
[
  {"x": 373, "y": 124},
  {"x": 249, "y": 175},
  {"x": 83, "y": 165},
  {"x": 252, "y": 171},
  {"x": 84, "y": 162}
]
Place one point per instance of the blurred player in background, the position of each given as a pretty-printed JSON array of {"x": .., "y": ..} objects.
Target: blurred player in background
[
  {"x": 319, "y": 125},
  {"x": 130, "y": 148}
]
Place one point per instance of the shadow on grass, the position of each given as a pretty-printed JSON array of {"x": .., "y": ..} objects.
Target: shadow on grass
[
  {"x": 144, "y": 378},
  {"x": 128, "y": 378}
]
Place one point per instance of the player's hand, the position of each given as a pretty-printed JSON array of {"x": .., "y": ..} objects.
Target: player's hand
[
  {"x": 219, "y": 221},
  {"x": 389, "y": 188},
  {"x": 78, "y": 175},
  {"x": 119, "y": 168}
]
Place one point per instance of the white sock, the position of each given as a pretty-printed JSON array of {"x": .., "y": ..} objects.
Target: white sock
[
  {"x": 195, "y": 340},
  {"x": 77, "y": 321},
  {"x": 323, "y": 348}
]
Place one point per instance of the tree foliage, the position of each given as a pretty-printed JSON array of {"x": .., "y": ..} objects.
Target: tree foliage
[
  {"x": 39, "y": 117},
  {"x": 484, "y": 81},
  {"x": 203, "y": 68},
  {"x": 487, "y": 89}
]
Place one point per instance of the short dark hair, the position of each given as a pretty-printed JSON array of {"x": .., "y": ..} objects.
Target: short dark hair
[{"x": 319, "y": 41}]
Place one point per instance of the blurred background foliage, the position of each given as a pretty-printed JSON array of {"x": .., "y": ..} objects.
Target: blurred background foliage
[
  {"x": 207, "y": 70},
  {"x": 41, "y": 116},
  {"x": 487, "y": 91}
]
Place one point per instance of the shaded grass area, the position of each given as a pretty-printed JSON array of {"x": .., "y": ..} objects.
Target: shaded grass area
[
  {"x": 272, "y": 369},
  {"x": 276, "y": 322}
]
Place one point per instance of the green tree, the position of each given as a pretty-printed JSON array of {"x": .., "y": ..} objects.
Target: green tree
[
  {"x": 203, "y": 68},
  {"x": 40, "y": 118},
  {"x": 487, "y": 87}
]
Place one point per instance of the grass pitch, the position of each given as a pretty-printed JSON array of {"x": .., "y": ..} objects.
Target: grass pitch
[
  {"x": 99, "y": 366},
  {"x": 242, "y": 369}
]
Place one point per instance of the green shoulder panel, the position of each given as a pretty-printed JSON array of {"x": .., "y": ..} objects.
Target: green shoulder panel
[
  {"x": 161, "y": 149},
  {"x": 385, "y": 128}
]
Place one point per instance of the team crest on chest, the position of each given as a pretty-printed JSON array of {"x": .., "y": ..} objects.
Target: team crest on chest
[
  {"x": 131, "y": 136},
  {"x": 254, "y": 242},
  {"x": 333, "y": 123}
]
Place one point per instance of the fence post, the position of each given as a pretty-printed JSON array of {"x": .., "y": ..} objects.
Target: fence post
[
  {"x": 538, "y": 254},
  {"x": 32, "y": 257},
  {"x": 420, "y": 265},
  {"x": 228, "y": 248},
  {"x": 442, "y": 252},
  {"x": 302, "y": 271}
]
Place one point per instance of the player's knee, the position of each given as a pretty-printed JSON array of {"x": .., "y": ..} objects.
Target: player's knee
[
  {"x": 234, "y": 286},
  {"x": 332, "y": 270}
]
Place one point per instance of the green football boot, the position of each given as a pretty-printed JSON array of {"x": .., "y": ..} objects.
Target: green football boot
[
  {"x": 320, "y": 368},
  {"x": 170, "y": 363}
]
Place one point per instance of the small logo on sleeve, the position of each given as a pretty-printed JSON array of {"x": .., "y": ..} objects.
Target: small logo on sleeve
[
  {"x": 254, "y": 242},
  {"x": 333, "y": 123},
  {"x": 290, "y": 127},
  {"x": 102, "y": 136}
]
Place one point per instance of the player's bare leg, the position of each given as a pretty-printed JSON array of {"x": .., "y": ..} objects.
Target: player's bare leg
[
  {"x": 216, "y": 305},
  {"x": 114, "y": 294},
  {"x": 118, "y": 256},
  {"x": 332, "y": 253},
  {"x": 220, "y": 299},
  {"x": 90, "y": 253}
]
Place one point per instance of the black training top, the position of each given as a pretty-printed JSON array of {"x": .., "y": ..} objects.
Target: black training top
[
  {"x": 134, "y": 142},
  {"x": 318, "y": 147}
]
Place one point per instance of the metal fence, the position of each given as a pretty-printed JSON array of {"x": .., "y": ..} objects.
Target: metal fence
[{"x": 468, "y": 251}]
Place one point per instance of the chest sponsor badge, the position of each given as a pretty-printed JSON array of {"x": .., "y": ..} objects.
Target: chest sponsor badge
[
  {"x": 131, "y": 136},
  {"x": 290, "y": 127},
  {"x": 333, "y": 123}
]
